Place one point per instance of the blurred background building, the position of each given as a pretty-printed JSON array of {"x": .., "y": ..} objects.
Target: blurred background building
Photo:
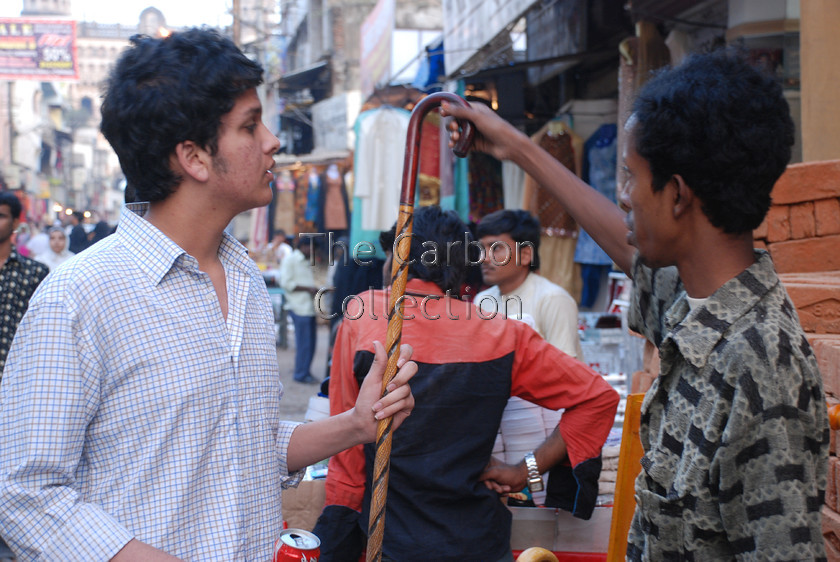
[{"x": 327, "y": 61}]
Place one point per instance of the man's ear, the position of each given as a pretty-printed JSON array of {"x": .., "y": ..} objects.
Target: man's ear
[
  {"x": 526, "y": 255},
  {"x": 193, "y": 160},
  {"x": 683, "y": 195}
]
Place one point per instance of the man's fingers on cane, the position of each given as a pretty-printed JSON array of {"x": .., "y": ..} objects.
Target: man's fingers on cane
[
  {"x": 403, "y": 375},
  {"x": 406, "y": 352},
  {"x": 398, "y": 401}
]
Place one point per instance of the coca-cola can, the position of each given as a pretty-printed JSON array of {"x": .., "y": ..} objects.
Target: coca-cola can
[{"x": 297, "y": 545}]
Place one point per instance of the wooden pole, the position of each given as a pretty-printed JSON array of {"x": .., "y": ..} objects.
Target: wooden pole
[{"x": 399, "y": 276}]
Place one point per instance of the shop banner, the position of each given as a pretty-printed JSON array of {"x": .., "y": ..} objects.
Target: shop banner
[
  {"x": 377, "y": 33},
  {"x": 36, "y": 49}
]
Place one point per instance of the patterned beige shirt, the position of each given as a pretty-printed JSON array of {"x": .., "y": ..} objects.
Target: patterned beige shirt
[{"x": 735, "y": 429}]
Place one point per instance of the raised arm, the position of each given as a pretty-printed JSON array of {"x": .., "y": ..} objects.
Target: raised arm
[{"x": 596, "y": 214}]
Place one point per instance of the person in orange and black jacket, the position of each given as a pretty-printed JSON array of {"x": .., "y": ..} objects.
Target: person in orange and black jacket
[{"x": 444, "y": 487}]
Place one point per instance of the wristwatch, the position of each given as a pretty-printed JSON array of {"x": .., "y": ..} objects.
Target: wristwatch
[{"x": 535, "y": 483}]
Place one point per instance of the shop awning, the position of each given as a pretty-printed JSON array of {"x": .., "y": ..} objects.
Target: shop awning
[
  {"x": 313, "y": 76},
  {"x": 592, "y": 56}
]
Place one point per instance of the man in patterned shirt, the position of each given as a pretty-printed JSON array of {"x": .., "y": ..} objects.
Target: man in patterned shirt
[
  {"x": 19, "y": 275},
  {"x": 141, "y": 401},
  {"x": 734, "y": 430}
]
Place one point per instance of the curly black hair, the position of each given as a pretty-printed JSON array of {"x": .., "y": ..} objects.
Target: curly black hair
[
  {"x": 13, "y": 202},
  {"x": 724, "y": 126},
  {"x": 520, "y": 225},
  {"x": 439, "y": 244},
  {"x": 162, "y": 92}
]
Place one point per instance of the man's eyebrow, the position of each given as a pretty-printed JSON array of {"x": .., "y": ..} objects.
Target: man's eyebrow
[{"x": 253, "y": 112}]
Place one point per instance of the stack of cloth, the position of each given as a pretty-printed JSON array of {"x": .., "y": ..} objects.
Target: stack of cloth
[{"x": 609, "y": 465}]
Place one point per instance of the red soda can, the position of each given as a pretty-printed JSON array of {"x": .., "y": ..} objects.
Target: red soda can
[{"x": 297, "y": 545}]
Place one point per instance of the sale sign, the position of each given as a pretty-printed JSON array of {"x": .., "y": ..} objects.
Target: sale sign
[{"x": 36, "y": 49}]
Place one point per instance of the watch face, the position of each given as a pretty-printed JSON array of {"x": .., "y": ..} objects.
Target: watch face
[{"x": 536, "y": 485}]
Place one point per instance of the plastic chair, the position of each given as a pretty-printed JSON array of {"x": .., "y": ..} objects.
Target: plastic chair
[{"x": 629, "y": 458}]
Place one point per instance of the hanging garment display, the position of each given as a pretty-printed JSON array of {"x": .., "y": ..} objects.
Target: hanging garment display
[
  {"x": 334, "y": 208},
  {"x": 302, "y": 224},
  {"x": 428, "y": 178},
  {"x": 558, "y": 141},
  {"x": 284, "y": 202},
  {"x": 313, "y": 196},
  {"x": 559, "y": 229},
  {"x": 599, "y": 166},
  {"x": 380, "y": 150},
  {"x": 486, "y": 192},
  {"x": 513, "y": 184},
  {"x": 378, "y": 166}
]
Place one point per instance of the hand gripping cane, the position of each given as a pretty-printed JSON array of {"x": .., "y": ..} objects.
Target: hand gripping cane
[{"x": 399, "y": 276}]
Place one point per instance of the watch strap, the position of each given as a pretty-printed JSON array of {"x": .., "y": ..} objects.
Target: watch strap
[{"x": 535, "y": 483}]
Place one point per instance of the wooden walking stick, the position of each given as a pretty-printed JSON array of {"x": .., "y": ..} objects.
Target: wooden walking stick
[{"x": 399, "y": 276}]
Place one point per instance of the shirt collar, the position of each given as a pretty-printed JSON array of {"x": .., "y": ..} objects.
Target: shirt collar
[
  {"x": 156, "y": 253},
  {"x": 419, "y": 286},
  {"x": 14, "y": 255},
  {"x": 697, "y": 332}
]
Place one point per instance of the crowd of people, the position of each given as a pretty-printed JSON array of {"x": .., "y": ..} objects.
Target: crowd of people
[
  {"x": 139, "y": 402},
  {"x": 39, "y": 239}
]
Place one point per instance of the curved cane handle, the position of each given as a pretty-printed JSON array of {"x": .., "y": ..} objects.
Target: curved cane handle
[{"x": 462, "y": 147}]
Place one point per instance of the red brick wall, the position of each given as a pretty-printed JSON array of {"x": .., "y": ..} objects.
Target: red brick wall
[{"x": 802, "y": 228}]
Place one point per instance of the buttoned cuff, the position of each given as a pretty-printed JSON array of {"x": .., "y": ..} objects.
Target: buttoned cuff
[
  {"x": 284, "y": 437},
  {"x": 89, "y": 534}
]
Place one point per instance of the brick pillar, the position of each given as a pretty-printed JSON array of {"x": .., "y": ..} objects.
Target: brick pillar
[{"x": 820, "y": 74}]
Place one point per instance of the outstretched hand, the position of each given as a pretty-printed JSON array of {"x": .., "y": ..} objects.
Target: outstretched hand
[
  {"x": 493, "y": 135},
  {"x": 371, "y": 406},
  {"x": 504, "y": 478}
]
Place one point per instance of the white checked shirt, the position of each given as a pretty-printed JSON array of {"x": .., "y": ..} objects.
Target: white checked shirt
[{"x": 129, "y": 408}]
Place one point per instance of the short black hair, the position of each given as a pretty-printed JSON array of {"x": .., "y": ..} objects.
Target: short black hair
[
  {"x": 164, "y": 91},
  {"x": 15, "y": 206},
  {"x": 520, "y": 225},
  {"x": 447, "y": 234},
  {"x": 724, "y": 126}
]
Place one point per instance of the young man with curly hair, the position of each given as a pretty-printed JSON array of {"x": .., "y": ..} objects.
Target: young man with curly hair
[{"x": 140, "y": 405}]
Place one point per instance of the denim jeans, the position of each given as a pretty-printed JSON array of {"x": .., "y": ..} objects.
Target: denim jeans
[{"x": 305, "y": 340}]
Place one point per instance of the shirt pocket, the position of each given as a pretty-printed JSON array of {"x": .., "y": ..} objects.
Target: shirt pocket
[
  {"x": 662, "y": 502},
  {"x": 661, "y": 520}
]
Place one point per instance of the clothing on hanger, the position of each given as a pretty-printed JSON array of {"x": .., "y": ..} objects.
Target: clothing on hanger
[
  {"x": 377, "y": 169},
  {"x": 312, "y": 195}
]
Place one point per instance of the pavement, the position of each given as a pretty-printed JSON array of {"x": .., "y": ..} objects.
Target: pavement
[{"x": 296, "y": 395}]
